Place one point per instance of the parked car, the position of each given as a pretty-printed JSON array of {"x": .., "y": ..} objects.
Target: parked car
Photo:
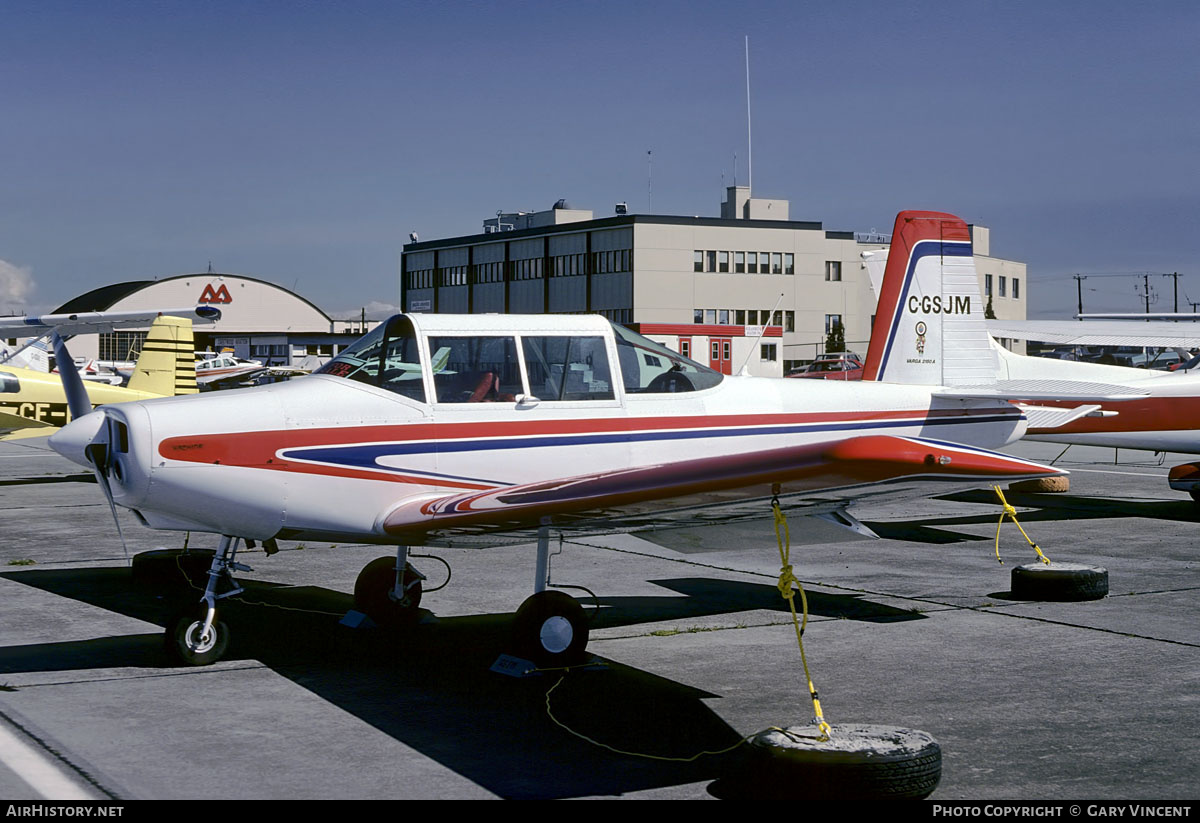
[{"x": 832, "y": 366}]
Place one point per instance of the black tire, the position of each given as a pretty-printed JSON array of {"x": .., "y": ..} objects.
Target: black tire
[
  {"x": 551, "y": 629},
  {"x": 184, "y": 642},
  {"x": 1059, "y": 582},
  {"x": 373, "y": 593},
  {"x": 172, "y": 566},
  {"x": 857, "y": 762}
]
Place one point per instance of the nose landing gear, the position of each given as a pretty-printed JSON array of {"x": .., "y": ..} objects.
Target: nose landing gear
[{"x": 194, "y": 636}]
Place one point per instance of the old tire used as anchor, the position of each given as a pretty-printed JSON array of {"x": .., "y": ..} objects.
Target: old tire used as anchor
[
  {"x": 1059, "y": 582},
  {"x": 374, "y": 593},
  {"x": 551, "y": 629},
  {"x": 855, "y": 762},
  {"x": 186, "y": 641},
  {"x": 1042, "y": 485}
]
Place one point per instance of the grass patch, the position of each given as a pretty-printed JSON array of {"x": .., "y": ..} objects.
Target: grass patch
[{"x": 23, "y": 561}]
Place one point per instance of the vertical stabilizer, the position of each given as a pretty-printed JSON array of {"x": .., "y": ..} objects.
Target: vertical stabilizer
[
  {"x": 929, "y": 325},
  {"x": 167, "y": 365}
]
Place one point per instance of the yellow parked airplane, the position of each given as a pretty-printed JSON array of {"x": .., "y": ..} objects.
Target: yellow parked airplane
[{"x": 32, "y": 403}]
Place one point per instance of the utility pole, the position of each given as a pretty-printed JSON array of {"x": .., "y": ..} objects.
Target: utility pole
[
  {"x": 1175, "y": 275},
  {"x": 1079, "y": 278},
  {"x": 1146, "y": 281}
]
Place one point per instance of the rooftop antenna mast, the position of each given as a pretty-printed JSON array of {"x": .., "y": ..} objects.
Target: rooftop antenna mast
[
  {"x": 749, "y": 144},
  {"x": 649, "y": 181}
]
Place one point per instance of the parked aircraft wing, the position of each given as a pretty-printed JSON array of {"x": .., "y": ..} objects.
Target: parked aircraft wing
[
  {"x": 1068, "y": 390},
  {"x": 816, "y": 478},
  {"x": 98, "y": 321},
  {"x": 12, "y": 422},
  {"x": 1100, "y": 332}
]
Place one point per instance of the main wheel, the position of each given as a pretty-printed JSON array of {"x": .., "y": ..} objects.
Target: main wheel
[
  {"x": 551, "y": 629},
  {"x": 186, "y": 641},
  {"x": 374, "y": 592}
]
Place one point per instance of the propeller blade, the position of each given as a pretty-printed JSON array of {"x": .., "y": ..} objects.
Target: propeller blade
[{"x": 77, "y": 397}]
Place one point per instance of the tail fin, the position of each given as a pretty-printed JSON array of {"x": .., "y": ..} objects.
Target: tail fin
[
  {"x": 929, "y": 327},
  {"x": 167, "y": 365}
]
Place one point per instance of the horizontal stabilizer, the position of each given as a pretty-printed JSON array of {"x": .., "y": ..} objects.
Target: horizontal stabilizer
[
  {"x": 1076, "y": 391},
  {"x": 1051, "y": 417}
]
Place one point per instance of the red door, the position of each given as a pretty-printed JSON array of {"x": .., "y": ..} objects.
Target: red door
[{"x": 720, "y": 358}]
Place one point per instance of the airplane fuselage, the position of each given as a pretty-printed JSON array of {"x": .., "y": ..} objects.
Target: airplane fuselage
[{"x": 326, "y": 456}]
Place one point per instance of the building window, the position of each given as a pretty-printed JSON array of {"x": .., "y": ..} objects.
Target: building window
[
  {"x": 723, "y": 317},
  {"x": 776, "y": 263},
  {"x": 1016, "y": 288},
  {"x": 833, "y": 270},
  {"x": 739, "y": 317},
  {"x": 697, "y": 315},
  {"x": 831, "y": 320},
  {"x": 1003, "y": 286},
  {"x": 723, "y": 261},
  {"x": 766, "y": 351},
  {"x": 685, "y": 347},
  {"x": 789, "y": 321},
  {"x": 752, "y": 262},
  {"x": 789, "y": 264},
  {"x": 987, "y": 285},
  {"x": 711, "y": 259},
  {"x": 739, "y": 262},
  {"x": 710, "y": 316},
  {"x": 698, "y": 261}
]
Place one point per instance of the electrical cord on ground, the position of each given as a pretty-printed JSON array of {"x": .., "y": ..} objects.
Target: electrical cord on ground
[{"x": 1009, "y": 511}]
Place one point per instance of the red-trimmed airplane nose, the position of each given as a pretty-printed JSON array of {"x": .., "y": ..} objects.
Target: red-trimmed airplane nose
[{"x": 72, "y": 440}]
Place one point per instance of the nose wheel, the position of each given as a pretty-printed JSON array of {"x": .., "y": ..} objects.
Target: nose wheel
[{"x": 193, "y": 639}]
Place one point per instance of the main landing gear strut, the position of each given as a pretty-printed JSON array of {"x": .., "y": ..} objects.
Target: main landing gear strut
[
  {"x": 386, "y": 595},
  {"x": 551, "y": 628}
]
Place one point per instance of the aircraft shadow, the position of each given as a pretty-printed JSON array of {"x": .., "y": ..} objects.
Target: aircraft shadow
[
  {"x": 429, "y": 687},
  {"x": 1073, "y": 507},
  {"x": 707, "y": 596}
]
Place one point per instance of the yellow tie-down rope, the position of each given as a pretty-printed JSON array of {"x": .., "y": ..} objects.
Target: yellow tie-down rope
[
  {"x": 786, "y": 580},
  {"x": 1009, "y": 511}
]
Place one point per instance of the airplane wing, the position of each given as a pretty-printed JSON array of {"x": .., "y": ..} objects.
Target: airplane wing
[
  {"x": 233, "y": 378},
  {"x": 97, "y": 321},
  {"x": 815, "y": 479},
  {"x": 1100, "y": 332},
  {"x": 10, "y": 422}
]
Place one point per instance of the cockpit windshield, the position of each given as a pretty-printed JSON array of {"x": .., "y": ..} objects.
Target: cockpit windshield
[
  {"x": 387, "y": 357},
  {"x": 651, "y": 368}
]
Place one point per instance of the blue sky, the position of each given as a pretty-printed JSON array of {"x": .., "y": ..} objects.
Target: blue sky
[{"x": 301, "y": 142}]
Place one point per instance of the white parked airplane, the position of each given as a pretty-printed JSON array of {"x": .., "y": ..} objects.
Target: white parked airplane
[
  {"x": 451, "y": 430},
  {"x": 1130, "y": 407}
]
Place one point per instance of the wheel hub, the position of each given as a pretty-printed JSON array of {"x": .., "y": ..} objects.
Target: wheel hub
[
  {"x": 556, "y": 634},
  {"x": 197, "y": 641}
]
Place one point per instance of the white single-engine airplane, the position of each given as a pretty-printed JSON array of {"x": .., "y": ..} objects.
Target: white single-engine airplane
[{"x": 450, "y": 430}]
